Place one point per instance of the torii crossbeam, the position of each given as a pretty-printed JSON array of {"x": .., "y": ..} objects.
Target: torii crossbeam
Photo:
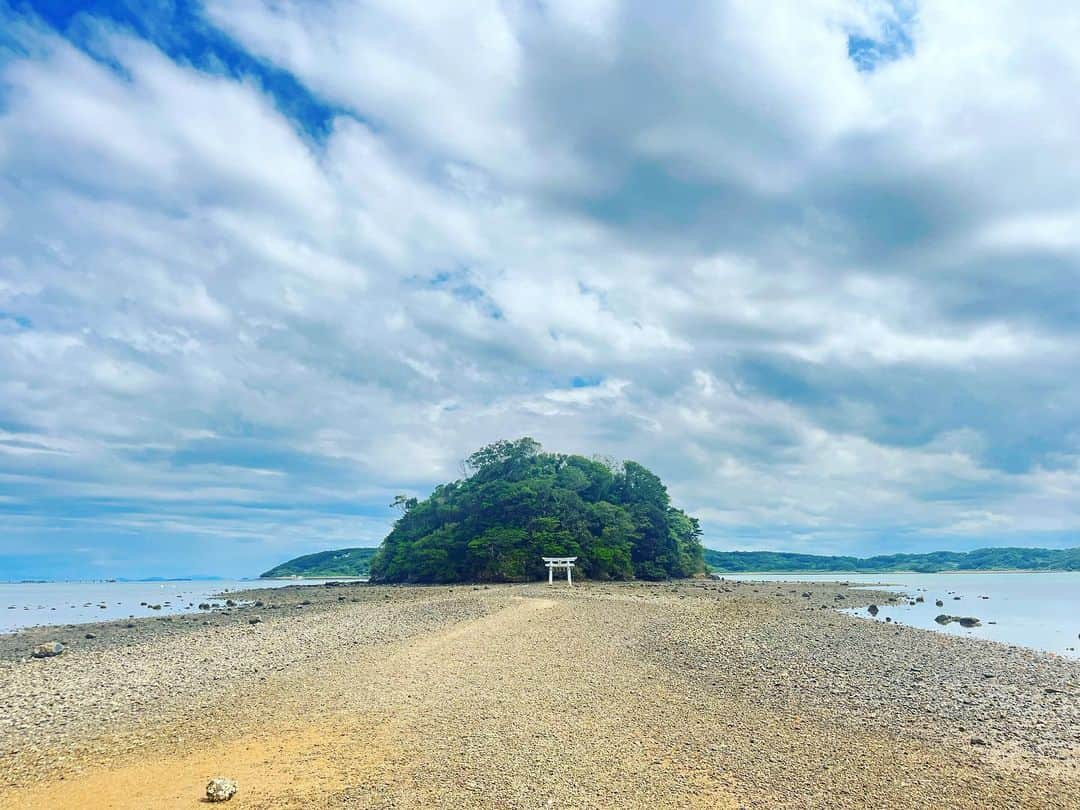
[{"x": 559, "y": 562}]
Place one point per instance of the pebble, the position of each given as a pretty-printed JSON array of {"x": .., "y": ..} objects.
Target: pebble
[
  {"x": 220, "y": 789},
  {"x": 47, "y": 650}
]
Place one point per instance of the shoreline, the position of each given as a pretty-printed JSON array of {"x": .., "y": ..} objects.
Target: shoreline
[
  {"x": 447, "y": 696},
  {"x": 12, "y": 641},
  {"x": 919, "y": 573}
]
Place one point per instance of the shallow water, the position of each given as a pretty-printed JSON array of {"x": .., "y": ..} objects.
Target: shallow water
[
  {"x": 1036, "y": 610},
  {"x": 29, "y": 604}
]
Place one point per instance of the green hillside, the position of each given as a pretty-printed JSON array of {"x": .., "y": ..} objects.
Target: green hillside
[
  {"x": 520, "y": 503},
  {"x": 983, "y": 559},
  {"x": 345, "y": 562}
]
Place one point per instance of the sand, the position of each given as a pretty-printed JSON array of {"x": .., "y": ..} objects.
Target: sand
[{"x": 694, "y": 694}]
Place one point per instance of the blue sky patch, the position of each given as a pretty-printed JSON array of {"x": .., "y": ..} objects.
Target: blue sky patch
[
  {"x": 894, "y": 41},
  {"x": 179, "y": 29}
]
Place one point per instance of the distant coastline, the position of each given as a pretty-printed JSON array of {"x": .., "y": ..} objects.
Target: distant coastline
[
  {"x": 356, "y": 562},
  {"x": 822, "y": 573},
  {"x": 51, "y": 580},
  {"x": 1030, "y": 560}
]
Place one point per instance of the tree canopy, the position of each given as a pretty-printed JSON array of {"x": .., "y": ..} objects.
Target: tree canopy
[{"x": 519, "y": 503}]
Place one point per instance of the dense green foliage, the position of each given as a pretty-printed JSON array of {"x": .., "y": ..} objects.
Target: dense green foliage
[
  {"x": 983, "y": 559},
  {"x": 346, "y": 562},
  {"x": 520, "y": 504}
]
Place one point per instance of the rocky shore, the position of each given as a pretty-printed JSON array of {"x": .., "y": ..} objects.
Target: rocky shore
[
  {"x": 227, "y": 609},
  {"x": 696, "y": 693}
]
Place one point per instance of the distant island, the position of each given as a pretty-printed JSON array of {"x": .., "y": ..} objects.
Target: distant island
[
  {"x": 345, "y": 562},
  {"x": 983, "y": 559}
]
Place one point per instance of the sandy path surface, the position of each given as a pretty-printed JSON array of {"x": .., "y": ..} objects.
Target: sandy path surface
[{"x": 545, "y": 700}]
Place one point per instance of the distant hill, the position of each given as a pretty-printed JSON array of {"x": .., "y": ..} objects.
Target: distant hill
[
  {"x": 983, "y": 559},
  {"x": 345, "y": 562}
]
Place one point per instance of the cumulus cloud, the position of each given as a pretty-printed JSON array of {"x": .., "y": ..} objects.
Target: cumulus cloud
[{"x": 813, "y": 262}]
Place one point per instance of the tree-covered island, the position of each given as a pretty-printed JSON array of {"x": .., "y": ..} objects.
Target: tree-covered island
[
  {"x": 519, "y": 503},
  {"x": 342, "y": 562}
]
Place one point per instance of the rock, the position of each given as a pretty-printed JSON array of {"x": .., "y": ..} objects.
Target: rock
[
  {"x": 90, "y": 636},
  {"x": 255, "y": 620},
  {"x": 872, "y": 610},
  {"x": 220, "y": 789},
  {"x": 806, "y": 594},
  {"x": 979, "y": 741},
  {"x": 939, "y": 603},
  {"x": 963, "y": 621},
  {"x": 204, "y": 605},
  {"x": 919, "y": 599},
  {"x": 47, "y": 650},
  {"x": 230, "y": 603}
]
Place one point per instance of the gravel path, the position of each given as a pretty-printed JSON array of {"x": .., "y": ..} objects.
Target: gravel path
[{"x": 692, "y": 694}]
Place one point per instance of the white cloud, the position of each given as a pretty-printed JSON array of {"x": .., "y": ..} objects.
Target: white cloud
[{"x": 827, "y": 305}]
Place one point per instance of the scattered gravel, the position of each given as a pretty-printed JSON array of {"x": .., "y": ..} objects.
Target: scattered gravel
[{"x": 699, "y": 693}]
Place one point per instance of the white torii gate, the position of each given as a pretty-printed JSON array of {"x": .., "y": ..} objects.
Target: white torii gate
[{"x": 559, "y": 562}]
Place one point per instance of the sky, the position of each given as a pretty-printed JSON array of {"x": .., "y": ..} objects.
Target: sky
[{"x": 265, "y": 264}]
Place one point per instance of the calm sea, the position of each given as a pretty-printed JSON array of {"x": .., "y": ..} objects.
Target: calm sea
[
  {"x": 27, "y": 604},
  {"x": 1040, "y": 610}
]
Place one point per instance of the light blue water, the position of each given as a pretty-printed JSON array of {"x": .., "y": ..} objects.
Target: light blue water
[
  {"x": 28, "y": 604},
  {"x": 1040, "y": 610}
]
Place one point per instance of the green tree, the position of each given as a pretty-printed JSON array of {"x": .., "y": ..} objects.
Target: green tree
[{"x": 520, "y": 503}]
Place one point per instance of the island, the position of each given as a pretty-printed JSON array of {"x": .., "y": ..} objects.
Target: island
[
  {"x": 519, "y": 504},
  {"x": 344, "y": 562},
  {"x": 356, "y": 562}
]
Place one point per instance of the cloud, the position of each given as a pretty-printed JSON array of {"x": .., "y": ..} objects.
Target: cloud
[{"x": 264, "y": 265}]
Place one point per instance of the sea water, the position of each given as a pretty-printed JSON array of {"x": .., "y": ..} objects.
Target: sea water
[
  {"x": 1038, "y": 610},
  {"x": 30, "y": 604}
]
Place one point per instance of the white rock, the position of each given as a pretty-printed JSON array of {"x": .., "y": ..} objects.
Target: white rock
[{"x": 220, "y": 789}]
